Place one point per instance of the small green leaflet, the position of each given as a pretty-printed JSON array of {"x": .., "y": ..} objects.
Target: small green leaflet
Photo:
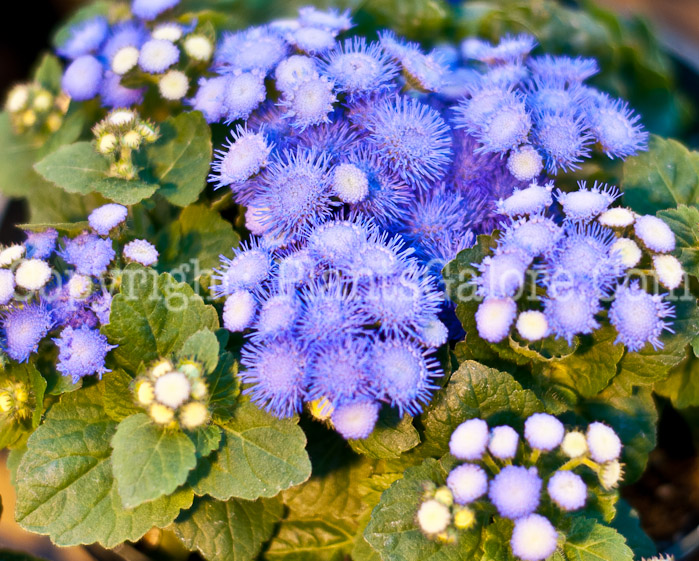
[
  {"x": 588, "y": 540},
  {"x": 684, "y": 222},
  {"x": 391, "y": 437}
]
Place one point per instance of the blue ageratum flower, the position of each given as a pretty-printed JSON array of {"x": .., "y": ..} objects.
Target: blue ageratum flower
[
  {"x": 41, "y": 245},
  {"x": 554, "y": 95},
  {"x": 616, "y": 127},
  {"x": 358, "y": 69},
  {"x": 422, "y": 70},
  {"x": 88, "y": 253},
  {"x": 83, "y": 78},
  {"x": 402, "y": 304},
  {"x": 411, "y": 139},
  {"x": 82, "y": 352},
  {"x": 586, "y": 204},
  {"x": 277, "y": 316},
  {"x": 309, "y": 102},
  {"x": 566, "y": 69},
  {"x": 294, "y": 193},
  {"x": 639, "y": 317},
  {"x": 276, "y": 373},
  {"x": 85, "y": 38},
  {"x": 113, "y": 94},
  {"x": 563, "y": 138},
  {"x": 122, "y": 35},
  {"x": 243, "y": 93},
  {"x": 340, "y": 370},
  {"x": 150, "y": 9},
  {"x": 331, "y": 19},
  {"x": 338, "y": 139},
  {"x": 357, "y": 419},
  {"x": 337, "y": 242},
  {"x": 572, "y": 312},
  {"x": 244, "y": 155},
  {"x": 250, "y": 267},
  {"x": 329, "y": 309},
  {"x": 382, "y": 256},
  {"x": 585, "y": 257},
  {"x": 535, "y": 236},
  {"x": 23, "y": 328},
  {"x": 210, "y": 98},
  {"x": 404, "y": 374},
  {"x": 257, "y": 50}
]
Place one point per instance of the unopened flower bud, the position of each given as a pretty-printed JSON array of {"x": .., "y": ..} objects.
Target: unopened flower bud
[
  {"x": 444, "y": 496},
  {"x": 131, "y": 139},
  {"x": 106, "y": 143},
  {"x": 464, "y": 518}
]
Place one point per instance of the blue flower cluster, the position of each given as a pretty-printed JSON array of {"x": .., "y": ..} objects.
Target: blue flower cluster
[
  {"x": 579, "y": 253},
  {"x": 362, "y": 176},
  {"x": 141, "y": 49},
  {"x": 496, "y": 465},
  {"x": 50, "y": 286}
]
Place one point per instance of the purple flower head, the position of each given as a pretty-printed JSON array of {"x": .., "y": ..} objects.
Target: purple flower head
[
  {"x": 410, "y": 139},
  {"x": 88, "y": 253},
  {"x": 113, "y": 94},
  {"x": 81, "y": 352},
  {"x": 151, "y": 9},
  {"x": 41, "y": 245},
  {"x": 141, "y": 251},
  {"x": 249, "y": 269},
  {"x": 107, "y": 217},
  {"x": 257, "y": 50},
  {"x": 244, "y": 155},
  {"x": 23, "y": 328},
  {"x": 85, "y": 38},
  {"x": 83, "y": 78},
  {"x": 276, "y": 373},
  {"x": 566, "y": 69},
  {"x": 210, "y": 98}
]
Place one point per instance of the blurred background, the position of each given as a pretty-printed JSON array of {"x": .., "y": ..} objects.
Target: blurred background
[{"x": 667, "y": 496}]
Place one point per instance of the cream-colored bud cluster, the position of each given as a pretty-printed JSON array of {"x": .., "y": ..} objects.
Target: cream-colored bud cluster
[
  {"x": 599, "y": 450},
  {"x": 440, "y": 517},
  {"x": 15, "y": 401},
  {"x": 34, "y": 108},
  {"x": 174, "y": 396},
  {"x": 118, "y": 135}
]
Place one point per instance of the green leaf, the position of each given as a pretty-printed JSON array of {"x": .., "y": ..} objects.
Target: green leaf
[
  {"x": 682, "y": 385},
  {"x": 152, "y": 317},
  {"x": 74, "y": 168},
  {"x": 393, "y": 532},
  {"x": 205, "y": 439},
  {"x": 496, "y": 541},
  {"x": 234, "y": 530},
  {"x": 665, "y": 176},
  {"x": 49, "y": 72},
  {"x": 78, "y": 168},
  {"x": 7, "y": 555},
  {"x": 202, "y": 347},
  {"x": 628, "y": 524},
  {"x": 65, "y": 487},
  {"x": 223, "y": 386},
  {"x": 157, "y": 466},
  {"x": 475, "y": 391},
  {"x": 259, "y": 456},
  {"x": 180, "y": 159},
  {"x": 391, "y": 437},
  {"x": 196, "y": 240},
  {"x": 588, "y": 540},
  {"x": 67, "y": 228},
  {"x": 324, "y": 514},
  {"x": 118, "y": 396},
  {"x": 590, "y": 368},
  {"x": 684, "y": 222}
]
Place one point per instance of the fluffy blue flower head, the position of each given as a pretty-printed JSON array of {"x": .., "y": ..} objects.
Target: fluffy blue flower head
[
  {"x": 107, "y": 217},
  {"x": 403, "y": 375},
  {"x": 141, "y": 251},
  {"x": 248, "y": 270},
  {"x": 124, "y": 34},
  {"x": 616, "y": 127},
  {"x": 41, "y": 245},
  {"x": 277, "y": 374},
  {"x": 81, "y": 352},
  {"x": 337, "y": 241},
  {"x": 586, "y": 204},
  {"x": 257, "y": 50},
  {"x": 562, "y": 138},
  {"x": 359, "y": 69},
  {"x": 157, "y": 55},
  {"x": 309, "y": 102},
  {"x": 242, "y": 94},
  {"x": 566, "y": 69},
  {"x": 151, "y": 9},
  {"x": 411, "y": 139},
  {"x": 85, "y": 38},
  {"x": 340, "y": 371},
  {"x": 278, "y": 316},
  {"x": 23, "y": 328},
  {"x": 88, "y": 253},
  {"x": 209, "y": 98},
  {"x": 242, "y": 157},
  {"x": 113, "y": 94},
  {"x": 294, "y": 193},
  {"x": 515, "y": 491},
  {"x": 572, "y": 312},
  {"x": 532, "y": 200},
  {"x": 639, "y": 317},
  {"x": 83, "y": 78},
  {"x": 357, "y": 419}
]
